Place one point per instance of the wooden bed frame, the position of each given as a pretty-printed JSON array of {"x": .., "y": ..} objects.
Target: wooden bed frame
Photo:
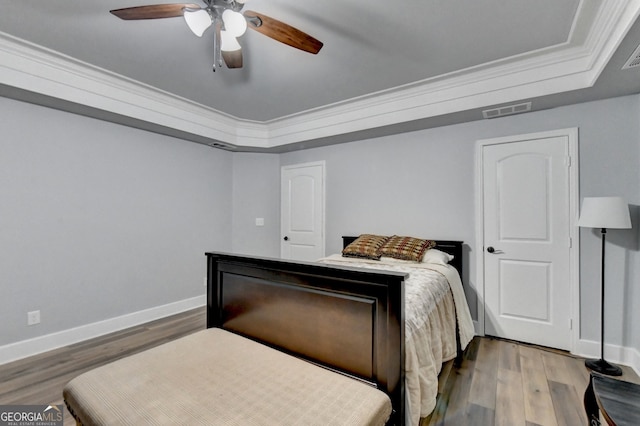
[{"x": 349, "y": 320}]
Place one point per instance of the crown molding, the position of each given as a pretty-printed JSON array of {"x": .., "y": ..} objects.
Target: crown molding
[
  {"x": 33, "y": 68},
  {"x": 598, "y": 29}
]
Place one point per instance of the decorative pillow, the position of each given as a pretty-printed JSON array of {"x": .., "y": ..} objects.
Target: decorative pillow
[
  {"x": 367, "y": 246},
  {"x": 406, "y": 248},
  {"x": 437, "y": 256}
]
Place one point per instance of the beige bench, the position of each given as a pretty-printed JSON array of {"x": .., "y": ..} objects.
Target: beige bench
[{"x": 215, "y": 377}]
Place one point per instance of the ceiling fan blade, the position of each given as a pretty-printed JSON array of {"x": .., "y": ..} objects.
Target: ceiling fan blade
[
  {"x": 282, "y": 32},
  {"x": 233, "y": 59},
  {"x": 153, "y": 11}
]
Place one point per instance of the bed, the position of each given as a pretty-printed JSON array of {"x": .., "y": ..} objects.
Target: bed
[
  {"x": 348, "y": 320},
  {"x": 437, "y": 320}
]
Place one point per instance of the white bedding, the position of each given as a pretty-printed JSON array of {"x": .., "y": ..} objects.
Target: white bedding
[{"x": 431, "y": 291}]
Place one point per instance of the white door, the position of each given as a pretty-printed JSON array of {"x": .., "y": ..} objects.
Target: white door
[
  {"x": 302, "y": 211},
  {"x": 526, "y": 211}
]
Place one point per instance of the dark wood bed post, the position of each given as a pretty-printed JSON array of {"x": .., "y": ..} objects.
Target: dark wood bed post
[{"x": 213, "y": 308}]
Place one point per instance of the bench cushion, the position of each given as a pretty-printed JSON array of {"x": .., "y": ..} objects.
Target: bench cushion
[{"x": 215, "y": 377}]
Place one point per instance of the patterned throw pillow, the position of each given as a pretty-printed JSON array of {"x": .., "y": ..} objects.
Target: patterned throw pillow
[
  {"x": 406, "y": 248},
  {"x": 366, "y": 246}
]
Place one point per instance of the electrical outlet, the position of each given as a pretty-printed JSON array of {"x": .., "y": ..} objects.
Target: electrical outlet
[{"x": 33, "y": 317}]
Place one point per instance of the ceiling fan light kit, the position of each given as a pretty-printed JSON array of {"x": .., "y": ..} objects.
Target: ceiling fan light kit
[
  {"x": 234, "y": 23},
  {"x": 197, "y": 20},
  {"x": 228, "y": 23},
  {"x": 228, "y": 43}
]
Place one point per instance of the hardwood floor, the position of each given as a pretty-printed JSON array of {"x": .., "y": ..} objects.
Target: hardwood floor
[
  {"x": 503, "y": 382},
  {"x": 499, "y": 382},
  {"x": 39, "y": 379}
]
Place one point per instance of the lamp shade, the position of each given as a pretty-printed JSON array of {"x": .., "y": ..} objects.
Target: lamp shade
[
  {"x": 604, "y": 212},
  {"x": 197, "y": 20},
  {"x": 234, "y": 23}
]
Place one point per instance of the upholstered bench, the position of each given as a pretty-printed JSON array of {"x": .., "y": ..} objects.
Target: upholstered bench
[{"x": 215, "y": 377}]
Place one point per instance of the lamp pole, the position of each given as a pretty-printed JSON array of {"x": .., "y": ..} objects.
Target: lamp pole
[
  {"x": 600, "y": 365},
  {"x": 603, "y": 232}
]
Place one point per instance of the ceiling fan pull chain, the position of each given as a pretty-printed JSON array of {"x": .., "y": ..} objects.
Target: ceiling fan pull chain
[{"x": 217, "y": 56}]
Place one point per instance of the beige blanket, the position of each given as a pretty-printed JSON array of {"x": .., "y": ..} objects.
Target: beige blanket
[
  {"x": 214, "y": 377},
  {"x": 433, "y": 298}
]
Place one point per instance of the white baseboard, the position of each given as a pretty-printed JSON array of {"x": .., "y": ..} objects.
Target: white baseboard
[
  {"x": 25, "y": 348},
  {"x": 612, "y": 353},
  {"x": 634, "y": 357}
]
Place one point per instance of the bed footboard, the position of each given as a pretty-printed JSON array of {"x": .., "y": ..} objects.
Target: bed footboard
[{"x": 345, "y": 319}]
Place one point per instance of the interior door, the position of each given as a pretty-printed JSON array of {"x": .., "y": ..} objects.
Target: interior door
[
  {"x": 527, "y": 241},
  {"x": 302, "y": 211}
]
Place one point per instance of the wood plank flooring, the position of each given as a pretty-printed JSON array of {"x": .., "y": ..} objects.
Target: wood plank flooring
[
  {"x": 39, "y": 379},
  {"x": 499, "y": 382},
  {"x": 503, "y": 382}
]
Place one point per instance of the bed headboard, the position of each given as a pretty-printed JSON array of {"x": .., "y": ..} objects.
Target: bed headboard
[
  {"x": 347, "y": 319},
  {"x": 454, "y": 248}
]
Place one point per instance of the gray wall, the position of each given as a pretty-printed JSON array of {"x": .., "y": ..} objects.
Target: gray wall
[
  {"x": 98, "y": 220},
  {"x": 418, "y": 184},
  {"x": 422, "y": 184},
  {"x": 256, "y": 194}
]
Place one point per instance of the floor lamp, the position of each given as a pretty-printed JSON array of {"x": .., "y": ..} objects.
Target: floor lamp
[{"x": 603, "y": 213}]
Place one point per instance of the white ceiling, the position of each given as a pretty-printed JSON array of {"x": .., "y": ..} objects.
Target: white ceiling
[{"x": 386, "y": 66}]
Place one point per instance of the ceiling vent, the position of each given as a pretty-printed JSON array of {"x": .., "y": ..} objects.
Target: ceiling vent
[
  {"x": 634, "y": 59},
  {"x": 506, "y": 110},
  {"x": 218, "y": 145}
]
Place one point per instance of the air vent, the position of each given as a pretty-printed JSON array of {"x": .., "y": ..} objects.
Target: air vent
[
  {"x": 506, "y": 110},
  {"x": 218, "y": 145},
  {"x": 634, "y": 59}
]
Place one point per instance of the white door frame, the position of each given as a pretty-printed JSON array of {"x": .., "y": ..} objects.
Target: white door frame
[
  {"x": 574, "y": 234},
  {"x": 322, "y": 164}
]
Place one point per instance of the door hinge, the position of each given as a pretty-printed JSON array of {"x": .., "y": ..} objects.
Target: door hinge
[
  {"x": 567, "y": 161},
  {"x": 570, "y": 324},
  {"x": 570, "y": 242}
]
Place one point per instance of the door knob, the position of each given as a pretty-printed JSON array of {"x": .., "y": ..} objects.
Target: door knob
[
  {"x": 286, "y": 238},
  {"x": 491, "y": 249}
]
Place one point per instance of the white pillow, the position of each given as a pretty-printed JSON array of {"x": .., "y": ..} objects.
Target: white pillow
[{"x": 437, "y": 256}]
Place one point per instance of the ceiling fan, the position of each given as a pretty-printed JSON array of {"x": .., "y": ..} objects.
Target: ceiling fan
[{"x": 228, "y": 24}]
